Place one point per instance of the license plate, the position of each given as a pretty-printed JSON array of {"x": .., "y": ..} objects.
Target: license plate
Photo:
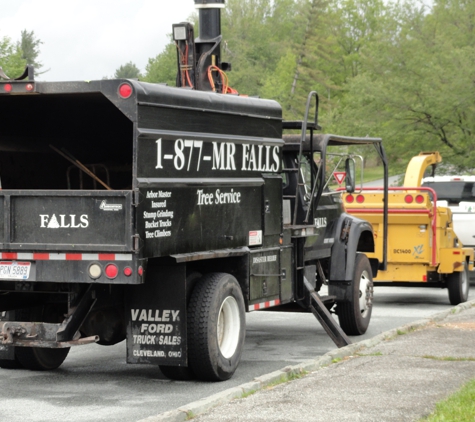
[{"x": 15, "y": 270}]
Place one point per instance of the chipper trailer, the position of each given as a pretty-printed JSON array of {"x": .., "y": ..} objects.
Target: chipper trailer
[
  {"x": 423, "y": 249},
  {"x": 161, "y": 215}
]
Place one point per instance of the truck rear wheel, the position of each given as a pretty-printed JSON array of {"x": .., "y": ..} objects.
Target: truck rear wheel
[
  {"x": 8, "y": 351},
  {"x": 40, "y": 358},
  {"x": 178, "y": 373},
  {"x": 216, "y": 327},
  {"x": 458, "y": 285},
  {"x": 10, "y": 363},
  {"x": 355, "y": 314}
]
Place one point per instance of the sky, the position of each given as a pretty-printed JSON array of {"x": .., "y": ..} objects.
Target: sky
[{"x": 90, "y": 39}]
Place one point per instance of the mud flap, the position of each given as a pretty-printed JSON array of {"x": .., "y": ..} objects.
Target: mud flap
[
  {"x": 322, "y": 314},
  {"x": 156, "y": 318}
]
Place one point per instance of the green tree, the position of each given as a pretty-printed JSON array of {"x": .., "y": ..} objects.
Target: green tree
[
  {"x": 416, "y": 85},
  {"x": 163, "y": 67},
  {"x": 11, "y": 60},
  {"x": 30, "y": 47},
  {"x": 257, "y": 34},
  {"x": 127, "y": 71},
  {"x": 313, "y": 51}
]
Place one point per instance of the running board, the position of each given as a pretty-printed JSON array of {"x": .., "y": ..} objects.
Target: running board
[{"x": 325, "y": 318}]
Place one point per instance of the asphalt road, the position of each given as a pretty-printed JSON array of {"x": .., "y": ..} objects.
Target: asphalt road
[{"x": 95, "y": 383}]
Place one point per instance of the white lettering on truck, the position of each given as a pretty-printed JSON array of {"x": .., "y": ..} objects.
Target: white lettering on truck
[
  {"x": 155, "y": 315},
  {"x": 218, "y": 197},
  {"x": 64, "y": 221},
  {"x": 222, "y": 156}
]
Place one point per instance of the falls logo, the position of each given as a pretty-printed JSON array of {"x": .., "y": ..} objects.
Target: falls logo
[{"x": 64, "y": 221}]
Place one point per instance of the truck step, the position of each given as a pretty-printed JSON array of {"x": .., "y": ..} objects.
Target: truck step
[{"x": 320, "y": 311}]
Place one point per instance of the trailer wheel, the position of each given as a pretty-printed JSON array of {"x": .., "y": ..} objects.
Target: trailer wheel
[
  {"x": 458, "y": 285},
  {"x": 355, "y": 314},
  {"x": 40, "y": 358},
  {"x": 216, "y": 327}
]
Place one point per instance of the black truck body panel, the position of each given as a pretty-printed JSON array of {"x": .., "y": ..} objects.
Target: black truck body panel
[{"x": 196, "y": 187}]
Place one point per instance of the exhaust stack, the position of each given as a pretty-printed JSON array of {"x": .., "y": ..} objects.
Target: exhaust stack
[{"x": 199, "y": 60}]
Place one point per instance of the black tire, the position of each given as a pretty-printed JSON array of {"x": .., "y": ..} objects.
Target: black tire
[
  {"x": 10, "y": 364},
  {"x": 10, "y": 350},
  {"x": 216, "y": 327},
  {"x": 40, "y": 358},
  {"x": 458, "y": 285},
  {"x": 177, "y": 373},
  {"x": 354, "y": 315}
]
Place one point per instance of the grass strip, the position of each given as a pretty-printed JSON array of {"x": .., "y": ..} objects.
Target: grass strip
[{"x": 459, "y": 407}]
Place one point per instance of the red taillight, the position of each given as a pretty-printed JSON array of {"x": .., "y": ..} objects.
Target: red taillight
[
  {"x": 8, "y": 87},
  {"x": 111, "y": 270},
  {"x": 140, "y": 271},
  {"x": 125, "y": 90},
  {"x": 350, "y": 199},
  {"x": 29, "y": 87},
  {"x": 127, "y": 271},
  {"x": 408, "y": 199},
  {"x": 419, "y": 199},
  {"x": 360, "y": 199}
]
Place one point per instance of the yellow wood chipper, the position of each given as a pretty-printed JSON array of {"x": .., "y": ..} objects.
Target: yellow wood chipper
[{"x": 423, "y": 249}]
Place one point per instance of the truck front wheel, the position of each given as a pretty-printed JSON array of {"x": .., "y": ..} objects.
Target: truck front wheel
[
  {"x": 458, "y": 285},
  {"x": 354, "y": 315},
  {"x": 216, "y": 327}
]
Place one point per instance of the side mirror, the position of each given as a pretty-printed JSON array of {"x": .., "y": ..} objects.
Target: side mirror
[{"x": 350, "y": 175}]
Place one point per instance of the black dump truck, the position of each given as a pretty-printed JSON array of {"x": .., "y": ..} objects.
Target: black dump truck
[{"x": 161, "y": 215}]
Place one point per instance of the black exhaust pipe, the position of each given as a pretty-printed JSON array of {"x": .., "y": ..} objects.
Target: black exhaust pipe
[
  {"x": 199, "y": 61},
  {"x": 209, "y": 19}
]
